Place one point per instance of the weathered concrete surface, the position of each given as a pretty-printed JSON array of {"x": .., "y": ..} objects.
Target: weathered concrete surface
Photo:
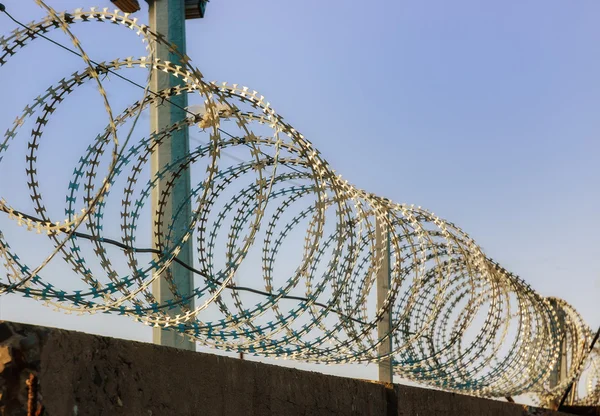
[
  {"x": 53, "y": 372},
  {"x": 414, "y": 401},
  {"x": 584, "y": 411}
]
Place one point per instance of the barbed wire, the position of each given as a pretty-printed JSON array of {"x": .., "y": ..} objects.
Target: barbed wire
[{"x": 459, "y": 320}]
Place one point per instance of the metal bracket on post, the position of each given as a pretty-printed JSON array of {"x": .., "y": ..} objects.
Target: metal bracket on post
[
  {"x": 128, "y": 6},
  {"x": 382, "y": 246}
]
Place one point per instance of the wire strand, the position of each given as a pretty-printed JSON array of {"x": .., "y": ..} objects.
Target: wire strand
[{"x": 124, "y": 78}]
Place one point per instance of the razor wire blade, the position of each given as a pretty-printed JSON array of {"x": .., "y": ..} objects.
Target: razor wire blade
[{"x": 459, "y": 321}]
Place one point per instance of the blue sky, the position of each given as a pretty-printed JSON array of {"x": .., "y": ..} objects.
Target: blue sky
[{"x": 484, "y": 112}]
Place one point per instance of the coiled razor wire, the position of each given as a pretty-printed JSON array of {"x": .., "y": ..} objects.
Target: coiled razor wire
[{"x": 459, "y": 320}]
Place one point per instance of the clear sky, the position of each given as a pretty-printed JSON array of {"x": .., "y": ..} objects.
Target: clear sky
[{"x": 484, "y": 112}]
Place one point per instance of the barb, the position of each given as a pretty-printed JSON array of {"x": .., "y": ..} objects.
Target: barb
[{"x": 459, "y": 321}]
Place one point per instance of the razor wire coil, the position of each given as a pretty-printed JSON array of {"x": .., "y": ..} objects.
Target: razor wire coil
[{"x": 459, "y": 320}]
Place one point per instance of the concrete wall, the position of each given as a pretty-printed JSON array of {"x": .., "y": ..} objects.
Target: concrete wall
[
  {"x": 69, "y": 373},
  {"x": 583, "y": 411},
  {"x": 413, "y": 401}
]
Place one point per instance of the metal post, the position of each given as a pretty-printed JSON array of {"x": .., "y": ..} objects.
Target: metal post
[
  {"x": 168, "y": 18},
  {"x": 560, "y": 370},
  {"x": 563, "y": 359},
  {"x": 382, "y": 246}
]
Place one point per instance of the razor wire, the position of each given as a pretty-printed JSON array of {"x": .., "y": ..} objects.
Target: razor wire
[{"x": 459, "y": 320}]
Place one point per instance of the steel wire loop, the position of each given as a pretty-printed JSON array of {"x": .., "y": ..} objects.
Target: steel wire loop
[{"x": 283, "y": 217}]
